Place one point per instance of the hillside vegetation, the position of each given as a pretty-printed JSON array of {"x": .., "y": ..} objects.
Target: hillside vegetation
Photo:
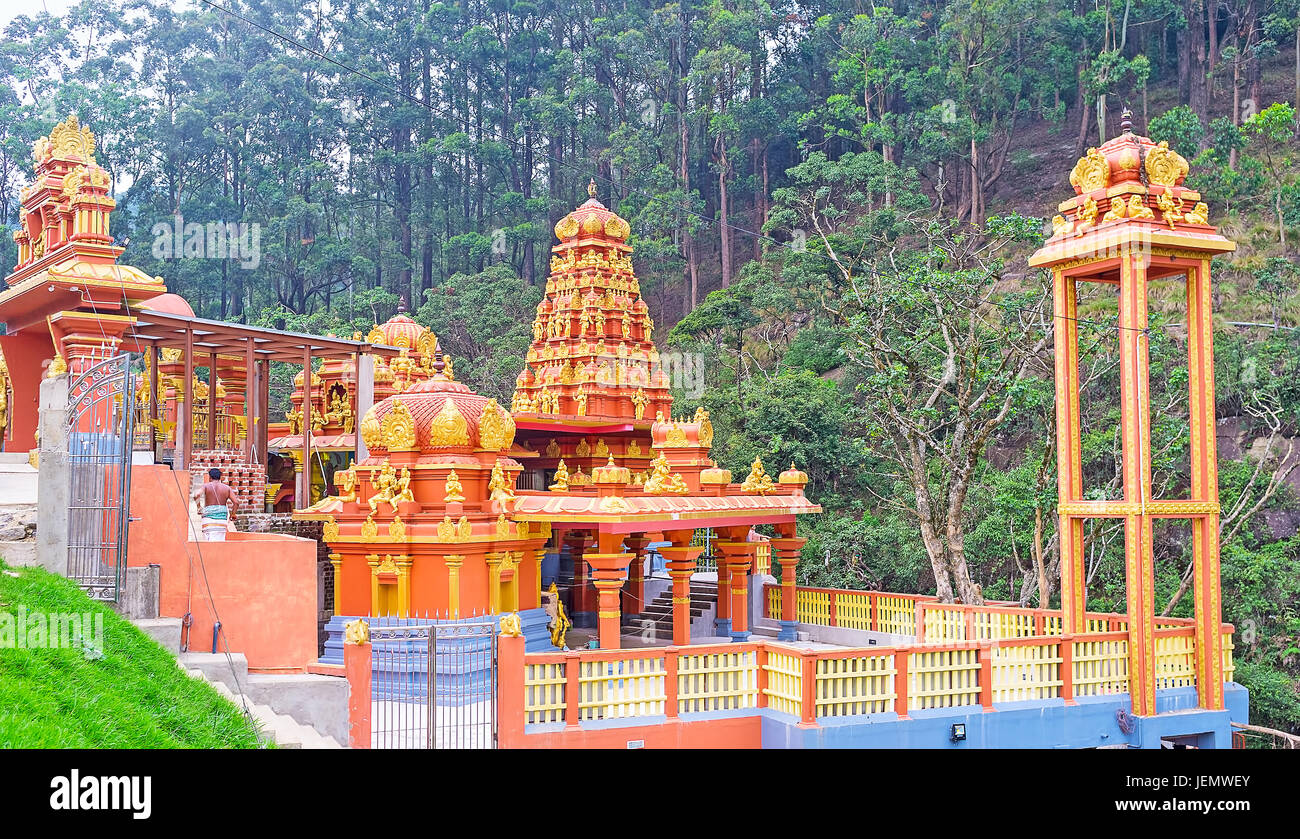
[
  {"x": 831, "y": 204},
  {"x": 123, "y": 693}
]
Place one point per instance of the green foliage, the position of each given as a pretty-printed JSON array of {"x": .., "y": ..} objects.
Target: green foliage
[
  {"x": 1181, "y": 128},
  {"x": 130, "y": 695},
  {"x": 484, "y": 321}
]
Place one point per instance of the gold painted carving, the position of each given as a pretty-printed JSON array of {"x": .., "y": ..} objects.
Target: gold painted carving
[
  {"x": 1087, "y": 214},
  {"x": 398, "y": 428},
  {"x": 661, "y": 482},
  {"x": 330, "y": 533},
  {"x": 584, "y": 448},
  {"x": 1118, "y": 210},
  {"x": 553, "y": 448},
  {"x": 1092, "y": 171},
  {"x": 496, "y": 428},
  {"x": 706, "y": 427},
  {"x": 633, "y": 450},
  {"x": 69, "y": 139},
  {"x": 449, "y": 427},
  {"x": 463, "y": 529},
  {"x": 356, "y": 632},
  {"x": 1165, "y": 166},
  {"x": 1173, "y": 210},
  {"x": 758, "y": 480},
  {"x": 1200, "y": 214},
  {"x": 371, "y": 431},
  {"x": 501, "y": 484},
  {"x": 561, "y": 477},
  {"x": 503, "y": 527},
  {"x": 510, "y": 627},
  {"x": 369, "y": 530},
  {"x": 566, "y": 228},
  {"x": 602, "y": 450},
  {"x": 1137, "y": 208},
  {"x": 614, "y": 504},
  {"x": 454, "y": 491},
  {"x": 397, "y": 528},
  {"x": 446, "y": 530}
]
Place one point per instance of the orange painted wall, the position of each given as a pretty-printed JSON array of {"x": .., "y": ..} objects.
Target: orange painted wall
[
  {"x": 262, "y": 584},
  {"x": 25, "y": 352},
  {"x": 731, "y": 733}
]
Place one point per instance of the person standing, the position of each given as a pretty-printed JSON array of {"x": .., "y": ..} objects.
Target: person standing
[{"x": 218, "y": 510}]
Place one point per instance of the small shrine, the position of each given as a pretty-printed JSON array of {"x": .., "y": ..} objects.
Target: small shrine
[{"x": 332, "y": 397}]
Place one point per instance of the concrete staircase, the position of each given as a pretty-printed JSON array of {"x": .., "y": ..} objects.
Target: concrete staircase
[
  {"x": 704, "y": 598},
  {"x": 296, "y": 711}
]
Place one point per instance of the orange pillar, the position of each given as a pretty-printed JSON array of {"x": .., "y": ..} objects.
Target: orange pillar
[
  {"x": 1204, "y": 489},
  {"x": 1069, "y": 473},
  {"x": 608, "y": 571},
  {"x": 681, "y": 565},
  {"x": 739, "y": 557},
  {"x": 787, "y": 553},
  {"x": 356, "y": 666},
  {"x": 634, "y": 596},
  {"x": 1135, "y": 436},
  {"x": 510, "y": 691}
]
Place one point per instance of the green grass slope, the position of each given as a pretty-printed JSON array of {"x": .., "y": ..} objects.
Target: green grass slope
[{"x": 131, "y": 696}]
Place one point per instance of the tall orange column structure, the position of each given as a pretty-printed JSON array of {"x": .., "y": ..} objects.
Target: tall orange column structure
[{"x": 1130, "y": 222}]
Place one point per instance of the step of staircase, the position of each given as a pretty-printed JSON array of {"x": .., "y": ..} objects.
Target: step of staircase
[{"x": 282, "y": 729}]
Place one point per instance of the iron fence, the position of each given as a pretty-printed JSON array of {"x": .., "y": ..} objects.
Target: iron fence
[{"x": 433, "y": 685}]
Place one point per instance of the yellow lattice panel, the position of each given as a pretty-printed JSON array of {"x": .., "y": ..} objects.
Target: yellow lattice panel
[
  {"x": 774, "y": 602},
  {"x": 943, "y": 679},
  {"x": 813, "y": 606},
  {"x": 994, "y": 626},
  {"x": 1100, "y": 667},
  {"x": 896, "y": 615},
  {"x": 853, "y": 610},
  {"x": 620, "y": 688},
  {"x": 944, "y": 624},
  {"x": 1175, "y": 661},
  {"x": 849, "y": 687},
  {"x": 1228, "y": 667},
  {"x": 1052, "y": 624},
  {"x": 544, "y": 693},
  {"x": 717, "y": 681},
  {"x": 1026, "y": 672},
  {"x": 784, "y": 689},
  {"x": 763, "y": 558}
]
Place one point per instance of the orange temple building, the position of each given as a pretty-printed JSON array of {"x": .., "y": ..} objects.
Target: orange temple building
[{"x": 453, "y": 510}]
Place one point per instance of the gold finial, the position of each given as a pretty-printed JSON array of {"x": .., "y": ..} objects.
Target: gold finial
[
  {"x": 57, "y": 367},
  {"x": 591, "y": 188}
]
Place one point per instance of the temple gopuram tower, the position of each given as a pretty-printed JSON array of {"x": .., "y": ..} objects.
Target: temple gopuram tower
[{"x": 1130, "y": 222}]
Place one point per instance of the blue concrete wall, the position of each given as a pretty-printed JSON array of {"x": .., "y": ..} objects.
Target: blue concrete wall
[{"x": 1043, "y": 725}]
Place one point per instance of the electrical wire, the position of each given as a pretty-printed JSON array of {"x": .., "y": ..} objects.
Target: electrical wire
[
  {"x": 212, "y": 605},
  {"x": 649, "y": 197}
]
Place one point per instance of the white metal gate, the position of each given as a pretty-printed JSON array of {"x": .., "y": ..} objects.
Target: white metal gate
[
  {"x": 433, "y": 685},
  {"x": 101, "y": 413}
]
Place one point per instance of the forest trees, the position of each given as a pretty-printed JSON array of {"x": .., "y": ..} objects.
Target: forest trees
[{"x": 940, "y": 354}]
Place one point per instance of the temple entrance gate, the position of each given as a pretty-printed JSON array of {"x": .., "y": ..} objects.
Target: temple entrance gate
[
  {"x": 101, "y": 411},
  {"x": 433, "y": 685}
]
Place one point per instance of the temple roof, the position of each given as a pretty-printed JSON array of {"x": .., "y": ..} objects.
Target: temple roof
[
  {"x": 1129, "y": 193},
  {"x": 592, "y": 354}
]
